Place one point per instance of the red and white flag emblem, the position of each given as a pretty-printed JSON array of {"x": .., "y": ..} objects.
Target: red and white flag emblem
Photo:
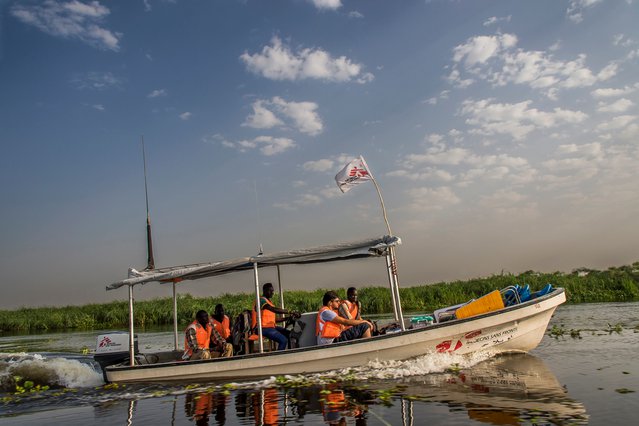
[{"x": 353, "y": 173}]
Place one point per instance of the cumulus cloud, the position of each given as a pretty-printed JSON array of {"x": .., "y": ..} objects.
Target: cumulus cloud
[
  {"x": 621, "y": 105},
  {"x": 157, "y": 93},
  {"x": 517, "y": 120},
  {"x": 496, "y": 59},
  {"x": 267, "y": 145},
  {"x": 327, "y": 4},
  {"x": 279, "y": 62},
  {"x": 322, "y": 165},
  {"x": 612, "y": 92},
  {"x": 355, "y": 14},
  {"x": 277, "y": 112},
  {"x": 72, "y": 20},
  {"x": 185, "y": 116}
]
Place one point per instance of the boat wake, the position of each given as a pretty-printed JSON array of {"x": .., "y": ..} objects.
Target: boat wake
[
  {"x": 377, "y": 370},
  {"x": 50, "y": 370}
]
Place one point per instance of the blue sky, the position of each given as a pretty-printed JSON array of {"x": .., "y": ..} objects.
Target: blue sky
[{"x": 503, "y": 135}]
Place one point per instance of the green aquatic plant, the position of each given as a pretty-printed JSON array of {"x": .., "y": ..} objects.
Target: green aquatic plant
[{"x": 616, "y": 284}]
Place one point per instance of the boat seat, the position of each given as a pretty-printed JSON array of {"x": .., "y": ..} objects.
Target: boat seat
[
  {"x": 510, "y": 295},
  {"x": 250, "y": 344}
]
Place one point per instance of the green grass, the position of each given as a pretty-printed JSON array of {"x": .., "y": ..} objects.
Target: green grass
[{"x": 616, "y": 284}]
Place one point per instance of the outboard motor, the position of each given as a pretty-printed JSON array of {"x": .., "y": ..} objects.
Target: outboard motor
[{"x": 113, "y": 348}]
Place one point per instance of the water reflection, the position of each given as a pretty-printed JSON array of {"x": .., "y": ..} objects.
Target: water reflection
[{"x": 508, "y": 390}]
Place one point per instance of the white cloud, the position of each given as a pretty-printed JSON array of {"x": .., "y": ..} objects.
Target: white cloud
[
  {"x": 278, "y": 62},
  {"x": 301, "y": 115},
  {"x": 576, "y": 8},
  {"x": 495, "y": 20},
  {"x": 496, "y": 59},
  {"x": 327, "y": 4},
  {"x": 185, "y": 116},
  {"x": 95, "y": 80},
  {"x": 322, "y": 165},
  {"x": 157, "y": 93},
  {"x": 621, "y": 105},
  {"x": 262, "y": 117},
  {"x": 355, "y": 14},
  {"x": 612, "y": 92},
  {"x": 72, "y": 20},
  {"x": 616, "y": 123},
  {"x": 268, "y": 145},
  {"x": 516, "y": 120}
]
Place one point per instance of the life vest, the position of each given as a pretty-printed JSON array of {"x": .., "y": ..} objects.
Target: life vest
[
  {"x": 224, "y": 327},
  {"x": 203, "y": 336},
  {"x": 268, "y": 317},
  {"x": 327, "y": 329},
  {"x": 353, "y": 308}
]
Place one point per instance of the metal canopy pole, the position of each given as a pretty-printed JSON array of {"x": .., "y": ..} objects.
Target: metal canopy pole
[
  {"x": 396, "y": 281},
  {"x": 391, "y": 285},
  {"x": 258, "y": 308},
  {"x": 131, "y": 340},
  {"x": 279, "y": 286},
  {"x": 175, "y": 320}
]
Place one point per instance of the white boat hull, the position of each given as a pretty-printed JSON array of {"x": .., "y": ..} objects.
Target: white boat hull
[{"x": 518, "y": 328}]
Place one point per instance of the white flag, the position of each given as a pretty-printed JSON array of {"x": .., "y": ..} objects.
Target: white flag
[{"x": 353, "y": 173}]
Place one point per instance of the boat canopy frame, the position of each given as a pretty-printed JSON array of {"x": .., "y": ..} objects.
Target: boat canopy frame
[{"x": 383, "y": 246}]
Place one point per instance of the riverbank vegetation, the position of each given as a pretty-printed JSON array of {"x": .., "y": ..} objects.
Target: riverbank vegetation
[{"x": 616, "y": 284}]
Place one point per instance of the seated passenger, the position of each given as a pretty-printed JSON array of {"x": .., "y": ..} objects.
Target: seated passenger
[
  {"x": 269, "y": 319},
  {"x": 330, "y": 327},
  {"x": 221, "y": 322},
  {"x": 219, "y": 346},
  {"x": 351, "y": 308},
  {"x": 197, "y": 337}
]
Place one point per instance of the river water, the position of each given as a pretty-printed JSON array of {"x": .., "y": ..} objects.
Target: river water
[{"x": 585, "y": 371}]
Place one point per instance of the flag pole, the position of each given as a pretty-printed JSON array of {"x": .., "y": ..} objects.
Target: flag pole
[
  {"x": 391, "y": 259},
  {"x": 379, "y": 193}
]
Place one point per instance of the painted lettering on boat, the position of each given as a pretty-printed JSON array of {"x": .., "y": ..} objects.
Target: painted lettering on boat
[
  {"x": 503, "y": 333},
  {"x": 472, "y": 334}
]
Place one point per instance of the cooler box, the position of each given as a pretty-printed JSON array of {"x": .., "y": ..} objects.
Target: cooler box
[{"x": 488, "y": 303}]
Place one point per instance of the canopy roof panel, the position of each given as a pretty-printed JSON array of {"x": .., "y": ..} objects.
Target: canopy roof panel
[{"x": 372, "y": 247}]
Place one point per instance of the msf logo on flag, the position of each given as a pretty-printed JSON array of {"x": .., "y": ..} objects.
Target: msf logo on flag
[{"x": 352, "y": 174}]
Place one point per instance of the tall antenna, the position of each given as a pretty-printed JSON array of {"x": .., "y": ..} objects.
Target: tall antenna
[
  {"x": 149, "y": 241},
  {"x": 259, "y": 224}
]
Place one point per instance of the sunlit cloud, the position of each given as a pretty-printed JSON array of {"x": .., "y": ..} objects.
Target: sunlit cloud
[
  {"x": 277, "y": 112},
  {"x": 278, "y": 62},
  {"x": 185, "y": 116},
  {"x": 157, "y": 93},
  {"x": 72, "y": 20},
  {"x": 96, "y": 80},
  {"x": 327, "y": 4}
]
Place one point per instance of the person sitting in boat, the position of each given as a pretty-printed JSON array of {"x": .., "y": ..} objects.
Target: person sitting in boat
[
  {"x": 350, "y": 308},
  {"x": 221, "y": 322},
  {"x": 269, "y": 318},
  {"x": 219, "y": 346},
  {"x": 330, "y": 327},
  {"x": 197, "y": 338}
]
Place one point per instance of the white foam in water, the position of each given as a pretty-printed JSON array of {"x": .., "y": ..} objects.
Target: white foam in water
[
  {"x": 428, "y": 364},
  {"x": 69, "y": 373}
]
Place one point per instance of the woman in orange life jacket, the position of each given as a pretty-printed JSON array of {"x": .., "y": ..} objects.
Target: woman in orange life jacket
[
  {"x": 330, "y": 327},
  {"x": 351, "y": 308},
  {"x": 197, "y": 337},
  {"x": 269, "y": 318}
]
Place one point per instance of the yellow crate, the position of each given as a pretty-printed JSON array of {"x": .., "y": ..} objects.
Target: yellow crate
[{"x": 488, "y": 303}]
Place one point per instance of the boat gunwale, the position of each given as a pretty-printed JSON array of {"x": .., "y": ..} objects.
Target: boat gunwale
[{"x": 556, "y": 292}]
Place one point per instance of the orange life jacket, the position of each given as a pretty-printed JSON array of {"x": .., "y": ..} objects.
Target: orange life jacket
[
  {"x": 353, "y": 308},
  {"x": 327, "y": 329},
  {"x": 203, "y": 336},
  {"x": 224, "y": 327},
  {"x": 268, "y": 317}
]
